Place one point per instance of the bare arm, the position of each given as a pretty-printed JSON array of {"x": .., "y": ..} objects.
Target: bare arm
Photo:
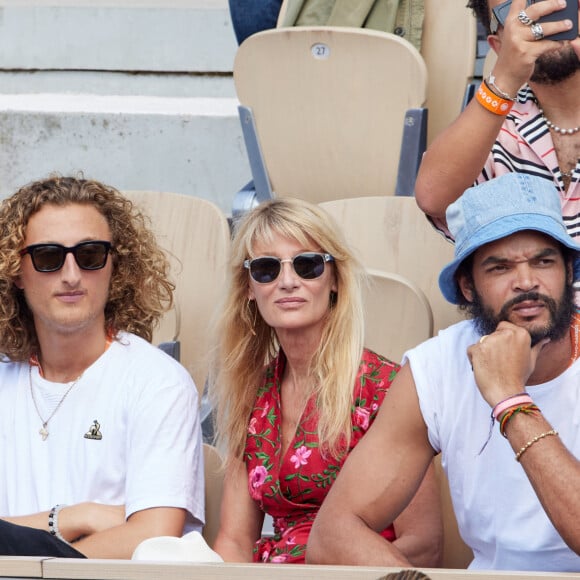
[
  {"x": 553, "y": 472},
  {"x": 120, "y": 541},
  {"x": 379, "y": 478},
  {"x": 457, "y": 156},
  {"x": 75, "y": 521},
  {"x": 241, "y": 519},
  {"x": 502, "y": 365},
  {"x": 455, "y": 159},
  {"x": 103, "y": 530},
  {"x": 419, "y": 528}
]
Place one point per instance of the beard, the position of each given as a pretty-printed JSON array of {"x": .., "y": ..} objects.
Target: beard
[
  {"x": 556, "y": 66},
  {"x": 561, "y": 314}
]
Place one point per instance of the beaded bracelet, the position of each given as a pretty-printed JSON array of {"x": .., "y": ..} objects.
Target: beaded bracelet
[
  {"x": 529, "y": 409},
  {"x": 490, "y": 101},
  {"x": 532, "y": 441},
  {"x": 53, "y": 522}
]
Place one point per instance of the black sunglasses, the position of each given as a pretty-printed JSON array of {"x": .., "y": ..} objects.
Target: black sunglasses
[
  {"x": 308, "y": 265},
  {"x": 50, "y": 257}
]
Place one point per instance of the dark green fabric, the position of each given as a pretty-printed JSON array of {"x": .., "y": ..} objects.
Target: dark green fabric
[{"x": 401, "y": 17}]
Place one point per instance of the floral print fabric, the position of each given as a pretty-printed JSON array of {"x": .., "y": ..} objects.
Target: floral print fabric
[{"x": 292, "y": 488}]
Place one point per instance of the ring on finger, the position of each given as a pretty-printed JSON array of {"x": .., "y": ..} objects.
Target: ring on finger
[
  {"x": 537, "y": 31},
  {"x": 524, "y": 18},
  {"x": 482, "y": 339}
]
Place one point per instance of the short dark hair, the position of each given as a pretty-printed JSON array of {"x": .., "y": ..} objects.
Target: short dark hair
[{"x": 481, "y": 10}]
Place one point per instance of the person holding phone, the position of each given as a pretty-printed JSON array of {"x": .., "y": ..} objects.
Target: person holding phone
[{"x": 525, "y": 116}]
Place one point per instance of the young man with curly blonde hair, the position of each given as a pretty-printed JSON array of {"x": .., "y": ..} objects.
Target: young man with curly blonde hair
[{"x": 101, "y": 444}]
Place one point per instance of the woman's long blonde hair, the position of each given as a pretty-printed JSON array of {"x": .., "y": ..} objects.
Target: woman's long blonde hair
[{"x": 245, "y": 343}]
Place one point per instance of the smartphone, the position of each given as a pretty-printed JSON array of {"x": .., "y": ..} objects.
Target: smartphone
[{"x": 500, "y": 13}]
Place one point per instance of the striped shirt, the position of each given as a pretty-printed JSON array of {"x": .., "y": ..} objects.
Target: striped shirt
[{"x": 524, "y": 144}]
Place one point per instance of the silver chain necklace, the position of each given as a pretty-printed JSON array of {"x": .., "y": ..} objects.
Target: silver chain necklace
[{"x": 43, "y": 432}]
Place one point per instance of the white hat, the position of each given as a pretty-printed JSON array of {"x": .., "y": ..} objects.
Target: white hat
[{"x": 189, "y": 548}]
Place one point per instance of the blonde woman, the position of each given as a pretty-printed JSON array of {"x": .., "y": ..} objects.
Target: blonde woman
[{"x": 295, "y": 388}]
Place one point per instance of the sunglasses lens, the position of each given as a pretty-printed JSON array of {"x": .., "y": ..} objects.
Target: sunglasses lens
[
  {"x": 51, "y": 257},
  {"x": 309, "y": 266},
  {"x": 48, "y": 258},
  {"x": 91, "y": 256},
  {"x": 264, "y": 270}
]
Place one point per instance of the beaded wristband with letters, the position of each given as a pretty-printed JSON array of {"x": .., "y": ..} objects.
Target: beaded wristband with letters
[{"x": 490, "y": 101}]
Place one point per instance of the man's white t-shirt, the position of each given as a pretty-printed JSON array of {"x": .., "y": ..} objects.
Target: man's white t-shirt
[
  {"x": 497, "y": 510},
  {"x": 127, "y": 433}
]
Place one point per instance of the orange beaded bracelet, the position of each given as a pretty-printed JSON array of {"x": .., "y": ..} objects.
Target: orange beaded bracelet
[{"x": 490, "y": 101}]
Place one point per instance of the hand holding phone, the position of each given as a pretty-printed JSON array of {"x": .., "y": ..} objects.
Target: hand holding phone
[{"x": 570, "y": 12}]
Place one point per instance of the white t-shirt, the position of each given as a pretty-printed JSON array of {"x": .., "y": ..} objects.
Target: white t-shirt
[
  {"x": 497, "y": 510},
  {"x": 144, "y": 406}
]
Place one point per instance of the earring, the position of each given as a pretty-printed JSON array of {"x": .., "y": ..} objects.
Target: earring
[
  {"x": 252, "y": 316},
  {"x": 332, "y": 299}
]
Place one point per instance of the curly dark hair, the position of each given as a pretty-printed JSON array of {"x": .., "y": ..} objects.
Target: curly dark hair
[
  {"x": 140, "y": 290},
  {"x": 481, "y": 10}
]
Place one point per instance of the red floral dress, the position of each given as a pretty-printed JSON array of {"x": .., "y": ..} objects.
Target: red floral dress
[{"x": 292, "y": 488}]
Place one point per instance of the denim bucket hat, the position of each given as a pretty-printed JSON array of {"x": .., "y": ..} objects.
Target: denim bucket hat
[{"x": 496, "y": 209}]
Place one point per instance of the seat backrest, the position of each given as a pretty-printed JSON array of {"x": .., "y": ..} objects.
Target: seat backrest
[
  {"x": 456, "y": 554},
  {"x": 397, "y": 315},
  {"x": 214, "y": 483},
  {"x": 196, "y": 236},
  {"x": 329, "y": 107},
  {"x": 449, "y": 47},
  {"x": 392, "y": 234}
]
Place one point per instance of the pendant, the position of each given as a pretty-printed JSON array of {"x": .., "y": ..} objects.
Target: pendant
[{"x": 43, "y": 432}]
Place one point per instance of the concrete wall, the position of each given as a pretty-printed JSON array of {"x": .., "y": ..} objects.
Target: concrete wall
[{"x": 136, "y": 93}]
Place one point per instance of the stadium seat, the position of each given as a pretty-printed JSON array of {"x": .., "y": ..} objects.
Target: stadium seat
[
  {"x": 324, "y": 109},
  {"x": 390, "y": 233},
  {"x": 397, "y": 315},
  {"x": 196, "y": 236}
]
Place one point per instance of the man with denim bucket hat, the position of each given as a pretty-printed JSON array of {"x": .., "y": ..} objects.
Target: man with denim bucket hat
[{"x": 511, "y": 370}]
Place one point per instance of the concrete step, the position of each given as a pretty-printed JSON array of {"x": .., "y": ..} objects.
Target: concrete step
[
  {"x": 116, "y": 35},
  {"x": 136, "y": 93},
  {"x": 187, "y": 145}
]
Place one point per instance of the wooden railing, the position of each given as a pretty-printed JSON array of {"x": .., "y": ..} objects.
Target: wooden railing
[{"x": 59, "y": 568}]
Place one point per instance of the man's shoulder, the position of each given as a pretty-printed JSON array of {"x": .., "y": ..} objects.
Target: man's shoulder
[
  {"x": 142, "y": 359},
  {"x": 458, "y": 333},
  {"x": 9, "y": 369}
]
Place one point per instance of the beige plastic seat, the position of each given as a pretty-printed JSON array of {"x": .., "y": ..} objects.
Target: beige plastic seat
[
  {"x": 214, "y": 483},
  {"x": 329, "y": 105},
  {"x": 397, "y": 315},
  {"x": 392, "y": 234},
  {"x": 449, "y": 48},
  {"x": 196, "y": 236}
]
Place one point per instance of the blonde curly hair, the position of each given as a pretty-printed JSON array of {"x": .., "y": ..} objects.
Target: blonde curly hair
[{"x": 140, "y": 290}]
